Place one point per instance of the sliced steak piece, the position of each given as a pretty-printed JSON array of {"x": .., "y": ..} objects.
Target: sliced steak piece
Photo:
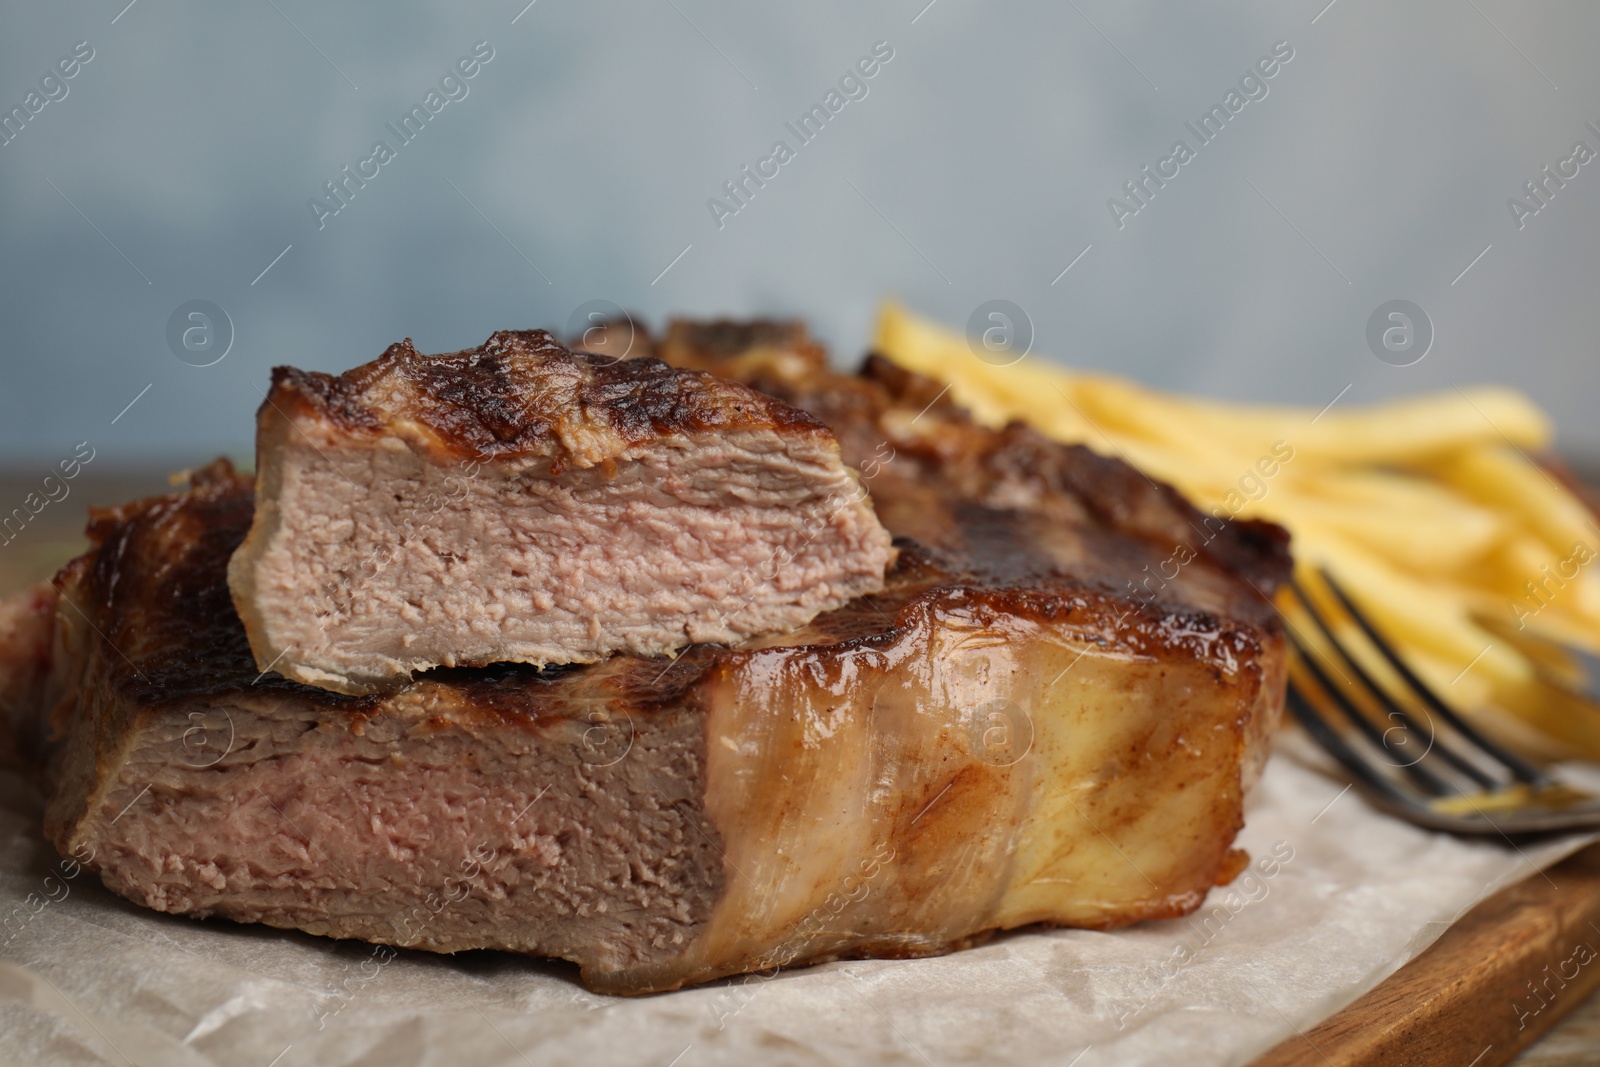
[
  {"x": 1021, "y": 727},
  {"x": 519, "y": 502}
]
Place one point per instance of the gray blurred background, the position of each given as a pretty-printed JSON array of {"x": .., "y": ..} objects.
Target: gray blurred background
[{"x": 179, "y": 164}]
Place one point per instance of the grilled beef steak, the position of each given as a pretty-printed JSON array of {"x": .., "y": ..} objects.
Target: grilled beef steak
[
  {"x": 1019, "y": 727},
  {"x": 522, "y": 503}
]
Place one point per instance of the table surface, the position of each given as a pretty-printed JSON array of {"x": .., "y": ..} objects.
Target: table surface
[
  {"x": 55, "y": 536},
  {"x": 1575, "y": 1041}
]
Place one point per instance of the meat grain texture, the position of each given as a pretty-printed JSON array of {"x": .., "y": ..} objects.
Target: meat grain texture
[
  {"x": 1006, "y": 733},
  {"x": 519, "y": 502}
]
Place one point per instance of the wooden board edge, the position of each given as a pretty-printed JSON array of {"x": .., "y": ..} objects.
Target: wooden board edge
[{"x": 1492, "y": 984}]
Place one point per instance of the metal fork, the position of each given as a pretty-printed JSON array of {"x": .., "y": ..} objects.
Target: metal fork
[{"x": 1444, "y": 774}]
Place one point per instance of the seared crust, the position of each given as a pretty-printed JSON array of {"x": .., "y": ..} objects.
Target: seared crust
[
  {"x": 148, "y": 584},
  {"x": 522, "y": 393}
]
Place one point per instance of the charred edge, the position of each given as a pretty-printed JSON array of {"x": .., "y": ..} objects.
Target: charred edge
[{"x": 489, "y": 399}]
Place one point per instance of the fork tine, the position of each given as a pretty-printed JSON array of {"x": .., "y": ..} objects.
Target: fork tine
[
  {"x": 1306, "y": 715},
  {"x": 1424, "y": 778},
  {"x": 1523, "y": 770},
  {"x": 1445, "y": 752}
]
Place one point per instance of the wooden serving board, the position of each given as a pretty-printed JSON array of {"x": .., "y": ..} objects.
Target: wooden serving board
[{"x": 1493, "y": 983}]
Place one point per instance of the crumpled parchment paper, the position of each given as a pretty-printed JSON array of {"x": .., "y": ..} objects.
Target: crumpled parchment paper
[{"x": 1337, "y": 897}]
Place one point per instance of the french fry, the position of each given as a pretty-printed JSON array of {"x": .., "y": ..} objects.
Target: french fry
[
  {"x": 1395, "y": 432},
  {"x": 1432, "y": 544},
  {"x": 1399, "y": 431},
  {"x": 1561, "y": 716},
  {"x": 1407, "y": 493},
  {"x": 1503, "y": 477},
  {"x": 1568, "y": 574},
  {"x": 1554, "y": 622}
]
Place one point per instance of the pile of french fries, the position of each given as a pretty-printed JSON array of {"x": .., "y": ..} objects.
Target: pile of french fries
[{"x": 1480, "y": 565}]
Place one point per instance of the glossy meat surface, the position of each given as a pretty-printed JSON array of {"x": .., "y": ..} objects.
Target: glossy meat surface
[{"x": 1016, "y": 729}]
